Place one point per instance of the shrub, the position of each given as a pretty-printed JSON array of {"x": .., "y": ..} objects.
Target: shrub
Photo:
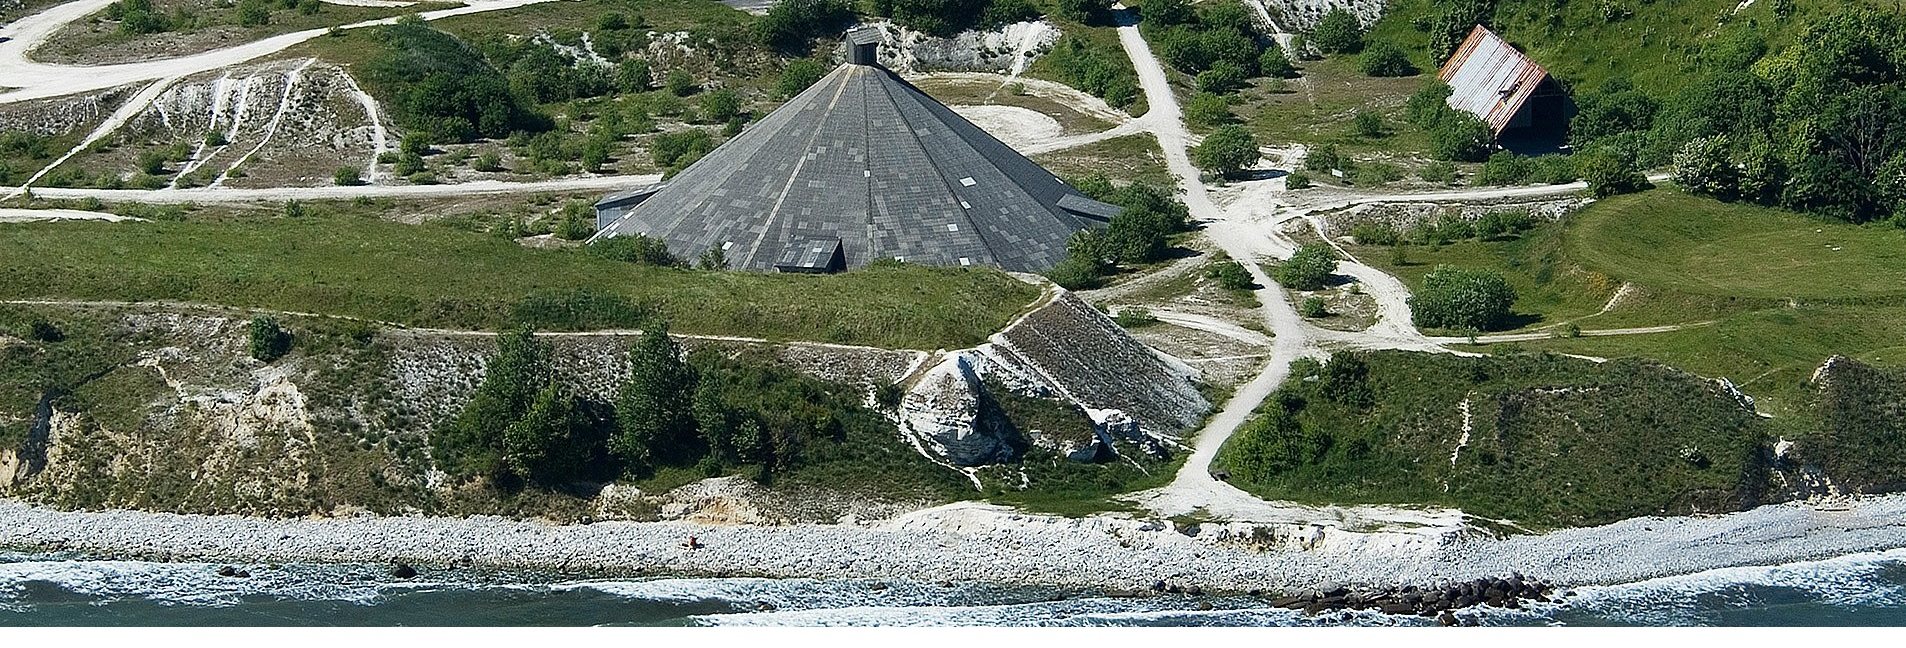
[
  {"x": 1704, "y": 165},
  {"x": 635, "y": 248},
  {"x": 1297, "y": 180},
  {"x": 1275, "y": 64},
  {"x": 434, "y": 83},
  {"x": 1338, "y": 32},
  {"x": 1224, "y": 77},
  {"x": 1610, "y": 174},
  {"x": 1460, "y": 137},
  {"x": 1368, "y": 123},
  {"x": 720, "y": 106},
  {"x": 489, "y": 161},
  {"x": 1385, "y": 60},
  {"x": 1230, "y": 275},
  {"x": 1505, "y": 168},
  {"x": 798, "y": 75},
  {"x": 44, "y": 331},
  {"x": 1497, "y": 224},
  {"x": 269, "y": 341},
  {"x": 1368, "y": 233},
  {"x": 578, "y": 221},
  {"x": 1376, "y": 174},
  {"x": 348, "y": 177},
  {"x": 1323, "y": 158},
  {"x": 1439, "y": 172},
  {"x": 1090, "y": 12},
  {"x": 1208, "y": 110},
  {"x": 1553, "y": 169},
  {"x": 1309, "y": 268},
  {"x": 1227, "y": 150},
  {"x": 1457, "y": 298},
  {"x": 1313, "y": 307},
  {"x": 1134, "y": 317},
  {"x": 680, "y": 83},
  {"x": 1104, "y": 72},
  {"x": 680, "y": 148}
]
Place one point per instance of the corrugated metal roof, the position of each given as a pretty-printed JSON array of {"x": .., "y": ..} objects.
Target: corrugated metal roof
[{"x": 1490, "y": 79}]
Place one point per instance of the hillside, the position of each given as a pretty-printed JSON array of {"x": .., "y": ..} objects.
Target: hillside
[{"x": 1544, "y": 441}]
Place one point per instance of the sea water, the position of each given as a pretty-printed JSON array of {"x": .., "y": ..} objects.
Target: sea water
[{"x": 40, "y": 589}]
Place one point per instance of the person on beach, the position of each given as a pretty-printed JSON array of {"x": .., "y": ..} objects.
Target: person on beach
[{"x": 691, "y": 543}]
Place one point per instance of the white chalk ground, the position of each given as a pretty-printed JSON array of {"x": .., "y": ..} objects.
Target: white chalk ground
[
  {"x": 12, "y": 215},
  {"x": 1020, "y": 128}
]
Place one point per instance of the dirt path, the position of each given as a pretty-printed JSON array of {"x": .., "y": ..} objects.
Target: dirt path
[
  {"x": 9, "y": 215},
  {"x": 34, "y": 80}
]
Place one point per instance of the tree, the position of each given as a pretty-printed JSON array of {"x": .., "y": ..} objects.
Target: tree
[
  {"x": 1309, "y": 268},
  {"x": 1458, "y": 298},
  {"x": 1230, "y": 275},
  {"x": 1338, "y": 32},
  {"x": 269, "y": 340},
  {"x": 1615, "y": 109},
  {"x": 253, "y": 13},
  {"x": 798, "y": 75},
  {"x": 1610, "y": 174},
  {"x": 655, "y": 420},
  {"x": 540, "y": 445},
  {"x": 1227, "y": 150},
  {"x": 1324, "y": 158},
  {"x": 1385, "y": 60},
  {"x": 791, "y": 26},
  {"x": 1704, "y": 165},
  {"x": 1167, "y": 12}
]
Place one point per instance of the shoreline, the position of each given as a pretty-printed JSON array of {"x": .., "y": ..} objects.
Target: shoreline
[{"x": 986, "y": 544}]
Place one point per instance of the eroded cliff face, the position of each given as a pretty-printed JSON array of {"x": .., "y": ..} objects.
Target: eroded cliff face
[{"x": 164, "y": 408}]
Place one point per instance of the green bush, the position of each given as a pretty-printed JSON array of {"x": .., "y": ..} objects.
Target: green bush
[
  {"x": 1385, "y": 60},
  {"x": 720, "y": 106},
  {"x": 680, "y": 148},
  {"x": 1224, "y": 77},
  {"x": 1208, "y": 110},
  {"x": 791, "y": 26},
  {"x": 680, "y": 83},
  {"x": 1297, "y": 180},
  {"x": 1275, "y": 64},
  {"x": 1460, "y": 137},
  {"x": 1456, "y": 298},
  {"x": 269, "y": 340},
  {"x": 1505, "y": 168},
  {"x": 1313, "y": 307},
  {"x": 1369, "y": 233},
  {"x": 1134, "y": 317},
  {"x": 798, "y": 75},
  {"x": 635, "y": 248},
  {"x": 347, "y": 177},
  {"x": 1368, "y": 123},
  {"x": 1610, "y": 174},
  {"x": 1104, "y": 72},
  {"x": 1439, "y": 172},
  {"x": 1230, "y": 275},
  {"x": 1309, "y": 268},
  {"x": 1323, "y": 158},
  {"x": 438, "y": 85},
  {"x": 1338, "y": 32},
  {"x": 1376, "y": 174}
]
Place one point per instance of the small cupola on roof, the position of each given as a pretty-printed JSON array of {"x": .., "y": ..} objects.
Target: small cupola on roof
[{"x": 863, "y": 46}]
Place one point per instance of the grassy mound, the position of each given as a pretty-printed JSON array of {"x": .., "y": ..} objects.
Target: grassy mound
[
  {"x": 436, "y": 276},
  {"x": 1543, "y": 440}
]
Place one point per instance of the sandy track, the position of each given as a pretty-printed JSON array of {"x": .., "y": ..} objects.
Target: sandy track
[{"x": 10, "y": 215}]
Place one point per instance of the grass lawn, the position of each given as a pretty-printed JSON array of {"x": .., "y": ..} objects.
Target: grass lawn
[
  {"x": 1128, "y": 159},
  {"x": 442, "y": 277},
  {"x": 1549, "y": 288},
  {"x": 214, "y": 24},
  {"x": 1673, "y": 240}
]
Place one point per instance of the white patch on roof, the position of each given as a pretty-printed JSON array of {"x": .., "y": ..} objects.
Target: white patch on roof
[{"x": 967, "y": 181}]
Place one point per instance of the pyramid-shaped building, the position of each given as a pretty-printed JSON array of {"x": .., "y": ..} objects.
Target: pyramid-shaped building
[{"x": 859, "y": 167}]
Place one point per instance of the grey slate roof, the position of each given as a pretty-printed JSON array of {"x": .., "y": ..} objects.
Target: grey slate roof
[{"x": 866, "y": 158}]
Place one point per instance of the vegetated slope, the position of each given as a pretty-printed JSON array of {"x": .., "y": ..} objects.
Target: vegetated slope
[
  {"x": 1860, "y": 410},
  {"x": 1543, "y": 440},
  {"x": 438, "y": 277}
]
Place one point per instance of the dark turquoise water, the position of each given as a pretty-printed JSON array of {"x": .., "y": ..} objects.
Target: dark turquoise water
[{"x": 44, "y": 589}]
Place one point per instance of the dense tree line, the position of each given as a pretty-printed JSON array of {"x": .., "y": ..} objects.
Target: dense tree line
[
  {"x": 1105, "y": 73},
  {"x": 949, "y": 17},
  {"x": 1215, "y": 42},
  {"x": 791, "y": 26},
  {"x": 701, "y": 411}
]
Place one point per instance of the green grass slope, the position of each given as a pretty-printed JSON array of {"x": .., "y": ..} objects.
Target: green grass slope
[{"x": 436, "y": 276}]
